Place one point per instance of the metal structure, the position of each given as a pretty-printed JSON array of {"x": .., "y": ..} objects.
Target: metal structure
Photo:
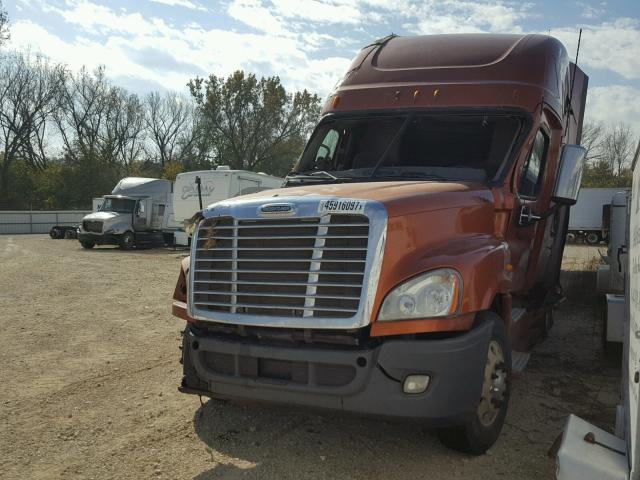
[{"x": 21, "y": 221}]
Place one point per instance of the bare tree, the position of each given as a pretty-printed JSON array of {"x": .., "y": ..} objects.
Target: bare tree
[
  {"x": 592, "y": 139},
  {"x": 617, "y": 148},
  {"x": 171, "y": 125},
  {"x": 29, "y": 92},
  {"x": 4, "y": 24},
  {"x": 85, "y": 102},
  {"x": 124, "y": 128}
]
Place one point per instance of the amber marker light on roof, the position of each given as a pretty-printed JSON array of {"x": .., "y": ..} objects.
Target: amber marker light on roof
[{"x": 336, "y": 101}]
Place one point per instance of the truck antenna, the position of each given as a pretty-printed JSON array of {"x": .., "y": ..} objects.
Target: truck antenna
[
  {"x": 199, "y": 192},
  {"x": 573, "y": 79}
]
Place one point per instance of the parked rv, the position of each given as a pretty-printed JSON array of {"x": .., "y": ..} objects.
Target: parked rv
[
  {"x": 589, "y": 219},
  {"x": 215, "y": 185},
  {"x": 414, "y": 253},
  {"x": 134, "y": 214}
]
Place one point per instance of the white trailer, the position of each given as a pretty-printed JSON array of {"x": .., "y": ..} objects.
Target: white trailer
[
  {"x": 587, "y": 452},
  {"x": 215, "y": 185},
  {"x": 588, "y": 220}
]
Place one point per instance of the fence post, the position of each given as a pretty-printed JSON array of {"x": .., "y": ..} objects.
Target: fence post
[{"x": 30, "y": 221}]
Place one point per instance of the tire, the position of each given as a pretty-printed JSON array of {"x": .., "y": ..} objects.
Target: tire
[
  {"x": 482, "y": 429},
  {"x": 69, "y": 234},
  {"x": 87, "y": 245},
  {"x": 55, "y": 233},
  {"x": 592, "y": 238},
  {"x": 571, "y": 237},
  {"x": 128, "y": 241}
]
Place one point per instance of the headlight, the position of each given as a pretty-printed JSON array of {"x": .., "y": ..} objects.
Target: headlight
[{"x": 431, "y": 294}]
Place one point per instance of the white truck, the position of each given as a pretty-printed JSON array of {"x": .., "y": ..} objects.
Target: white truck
[
  {"x": 589, "y": 217},
  {"x": 134, "y": 214},
  {"x": 215, "y": 185}
]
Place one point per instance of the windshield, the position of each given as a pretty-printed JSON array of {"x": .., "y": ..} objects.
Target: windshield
[
  {"x": 119, "y": 205},
  {"x": 439, "y": 147}
]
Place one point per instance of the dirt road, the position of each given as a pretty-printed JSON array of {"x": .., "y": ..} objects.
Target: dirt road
[{"x": 89, "y": 370}]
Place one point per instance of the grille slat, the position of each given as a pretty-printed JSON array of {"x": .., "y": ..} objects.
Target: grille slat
[
  {"x": 278, "y": 260},
  {"x": 273, "y": 294},
  {"x": 290, "y": 284},
  {"x": 300, "y": 225},
  {"x": 273, "y": 306},
  {"x": 284, "y": 237},
  {"x": 274, "y": 272},
  {"x": 294, "y": 267}
]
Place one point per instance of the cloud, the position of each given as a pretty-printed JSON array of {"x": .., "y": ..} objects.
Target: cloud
[
  {"x": 136, "y": 49},
  {"x": 463, "y": 16},
  {"x": 611, "y": 46},
  {"x": 613, "y": 104},
  {"x": 255, "y": 15},
  {"x": 181, "y": 3}
]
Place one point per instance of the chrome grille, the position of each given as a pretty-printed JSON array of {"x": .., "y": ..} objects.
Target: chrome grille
[
  {"x": 291, "y": 267},
  {"x": 94, "y": 226}
]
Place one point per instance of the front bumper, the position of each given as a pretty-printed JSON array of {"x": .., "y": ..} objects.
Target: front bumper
[
  {"x": 365, "y": 381},
  {"x": 100, "y": 238}
]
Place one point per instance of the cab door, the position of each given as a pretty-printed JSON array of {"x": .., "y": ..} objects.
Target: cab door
[{"x": 541, "y": 224}]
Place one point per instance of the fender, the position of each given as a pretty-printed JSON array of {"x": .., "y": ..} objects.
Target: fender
[{"x": 483, "y": 262}]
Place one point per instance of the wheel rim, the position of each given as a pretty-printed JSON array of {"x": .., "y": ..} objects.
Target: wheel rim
[
  {"x": 494, "y": 387},
  {"x": 128, "y": 240},
  {"x": 592, "y": 238}
]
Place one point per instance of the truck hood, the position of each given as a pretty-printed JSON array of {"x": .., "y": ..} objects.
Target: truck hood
[
  {"x": 399, "y": 197},
  {"x": 103, "y": 216}
]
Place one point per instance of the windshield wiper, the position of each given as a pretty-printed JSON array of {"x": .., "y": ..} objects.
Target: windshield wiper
[
  {"x": 428, "y": 176},
  {"x": 315, "y": 175}
]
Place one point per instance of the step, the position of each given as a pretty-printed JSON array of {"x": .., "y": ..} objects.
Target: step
[{"x": 519, "y": 361}]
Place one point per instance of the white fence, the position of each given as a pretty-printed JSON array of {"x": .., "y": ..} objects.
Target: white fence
[{"x": 16, "y": 221}]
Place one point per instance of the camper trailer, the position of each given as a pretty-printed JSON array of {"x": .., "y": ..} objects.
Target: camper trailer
[
  {"x": 412, "y": 259},
  {"x": 215, "y": 185},
  {"x": 133, "y": 215}
]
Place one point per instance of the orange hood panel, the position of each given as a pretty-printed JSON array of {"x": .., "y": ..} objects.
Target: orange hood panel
[{"x": 399, "y": 197}]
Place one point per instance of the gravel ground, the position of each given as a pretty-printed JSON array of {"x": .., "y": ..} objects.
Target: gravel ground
[{"x": 89, "y": 370}]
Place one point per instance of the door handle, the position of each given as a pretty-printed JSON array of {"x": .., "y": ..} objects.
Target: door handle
[{"x": 527, "y": 217}]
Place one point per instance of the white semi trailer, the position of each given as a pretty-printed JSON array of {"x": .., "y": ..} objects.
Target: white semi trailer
[
  {"x": 215, "y": 185},
  {"x": 589, "y": 217}
]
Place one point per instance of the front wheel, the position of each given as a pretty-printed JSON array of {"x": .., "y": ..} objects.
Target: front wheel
[
  {"x": 482, "y": 430},
  {"x": 87, "y": 245},
  {"x": 128, "y": 241}
]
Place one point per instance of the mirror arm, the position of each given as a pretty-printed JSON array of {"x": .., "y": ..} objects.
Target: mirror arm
[{"x": 527, "y": 217}]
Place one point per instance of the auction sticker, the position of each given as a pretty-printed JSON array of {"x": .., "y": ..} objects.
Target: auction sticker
[{"x": 341, "y": 205}]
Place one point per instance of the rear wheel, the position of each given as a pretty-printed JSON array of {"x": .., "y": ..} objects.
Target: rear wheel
[
  {"x": 482, "y": 430},
  {"x": 87, "y": 245},
  {"x": 55, "y": 233},
  {"x": 592, "y": 238},
  {"x": 128, "y": 241}
]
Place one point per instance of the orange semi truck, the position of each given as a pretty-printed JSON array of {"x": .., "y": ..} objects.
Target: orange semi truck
[{"x": 413, "y": 254}]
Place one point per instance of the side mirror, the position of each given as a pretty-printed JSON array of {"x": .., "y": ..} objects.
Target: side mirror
[{"x": 569, "y": 174}]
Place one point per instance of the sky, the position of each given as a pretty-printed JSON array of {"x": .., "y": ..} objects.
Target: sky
[{"x": 150, "y": 45}]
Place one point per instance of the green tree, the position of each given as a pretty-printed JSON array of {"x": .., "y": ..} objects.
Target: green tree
[{"x": 254, "y": 124}]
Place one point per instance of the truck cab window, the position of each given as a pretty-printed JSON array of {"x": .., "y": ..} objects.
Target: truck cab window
[
  {"x": 449, "y": 147},
  {"x": 534, "y": 167},
  {"x": 327, "y": 149}
]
